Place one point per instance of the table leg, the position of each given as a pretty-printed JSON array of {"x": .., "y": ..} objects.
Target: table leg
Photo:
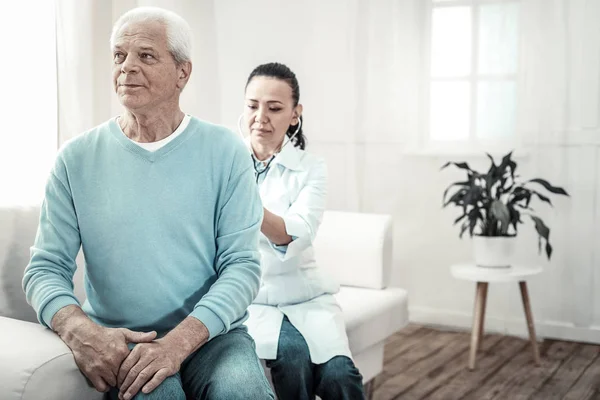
[
  {"x": 483, "y": 307},
  {"x": 530, "y": 325},
  {"x": 477, "y": 322}
]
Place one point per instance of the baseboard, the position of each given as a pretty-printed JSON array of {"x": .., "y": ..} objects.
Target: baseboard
[{"x": 512, "y": 326}]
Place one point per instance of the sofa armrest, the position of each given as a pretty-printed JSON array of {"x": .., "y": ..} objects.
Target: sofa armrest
[
  {"x": 356, "y": 248},
  {"x": 36, "y": 364}
]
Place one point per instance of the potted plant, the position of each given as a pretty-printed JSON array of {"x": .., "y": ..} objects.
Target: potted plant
[{"x": 492, "y": 205}]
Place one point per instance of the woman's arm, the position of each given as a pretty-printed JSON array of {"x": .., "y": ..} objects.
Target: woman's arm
[
  {"x": 273, "y": 227},
  {"x": 297, "y": 227}
]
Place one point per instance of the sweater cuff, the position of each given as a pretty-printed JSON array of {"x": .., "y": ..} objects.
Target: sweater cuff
[
  {"x": 211, "y": 320},
  {"x": 53, "y": 306}
]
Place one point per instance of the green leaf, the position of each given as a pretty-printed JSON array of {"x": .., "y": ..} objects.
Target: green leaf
[
  {"x": 457, "y": 220},
  {"x": 542, "y": 197},
  {"x": 473, "y": 195},
  {"x": 463, "y": 228},
  {"x": 508, "y": 163},
  {"x": 461, "y": 165},
  {"x": 540, "y": 227},
  {"x": 474, "y": 216},
  {"x": 549, "y": 187},
  {"x": 490, "y": 180},
  {"x": 457, "y": 198},
  {"x": 492, "y": 172},
  {"x": 500, "y": 212},
  {"x": 464, "y": 183},
  {"x": 520, "y": 193},
  {"x": 548, "y": 250},
  {"x": 543, "y": 232},
  {"x": 472, "y": 224},
  {"x": 523, "y": 207},
  {"x": 515, "y": 216},
  {"x": 493, "y": 176}
]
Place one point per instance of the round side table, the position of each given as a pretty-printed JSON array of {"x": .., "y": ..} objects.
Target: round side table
[{"x": 483, "y": 276}]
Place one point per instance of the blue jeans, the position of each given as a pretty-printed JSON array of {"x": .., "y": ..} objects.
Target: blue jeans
[
  {"x": 225, "y": 368},
  {"x": 296, "y": 377}
]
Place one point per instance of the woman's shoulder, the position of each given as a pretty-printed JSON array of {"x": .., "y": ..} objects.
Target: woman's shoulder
[{"x": 311, "y": 160}]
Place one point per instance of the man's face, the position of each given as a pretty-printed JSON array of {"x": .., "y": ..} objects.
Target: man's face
[{"x": 145, "y": 75}]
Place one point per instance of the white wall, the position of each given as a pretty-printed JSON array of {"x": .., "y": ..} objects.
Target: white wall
[
  {"x": 334, "y": 49},
  {"x": 359, "y": 63}
]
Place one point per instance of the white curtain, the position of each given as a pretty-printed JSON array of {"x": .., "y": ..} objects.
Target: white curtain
[
  {"x": 83, "y": 60},
  {"x": 559, "y": 111},
  {"x": 27, "y": 138},
  {"x": 28, "y": 110}
]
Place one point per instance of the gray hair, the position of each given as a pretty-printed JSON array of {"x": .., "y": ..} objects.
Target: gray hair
[{"x": 179, "y": 33}]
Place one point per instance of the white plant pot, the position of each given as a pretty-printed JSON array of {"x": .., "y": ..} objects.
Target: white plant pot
[{"x": 493, "y": 252}]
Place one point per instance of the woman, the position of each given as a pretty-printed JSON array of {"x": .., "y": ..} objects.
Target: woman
[{"x": 295, "y": 321}]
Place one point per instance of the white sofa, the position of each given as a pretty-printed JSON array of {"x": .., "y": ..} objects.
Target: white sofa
[{"x": 356, "y": 248}]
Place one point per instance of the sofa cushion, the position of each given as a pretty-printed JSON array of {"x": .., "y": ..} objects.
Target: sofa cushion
[
  {"x": 17, "y": 233},
  {"x": 18, "y": 227},
  {"x": 372, "y": 315},
  {"x": 356, "y": 248},
  {"x": 32, "y": 358}
]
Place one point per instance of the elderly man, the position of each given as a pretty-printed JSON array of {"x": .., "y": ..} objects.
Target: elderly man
[{"x": 166, "y": 210}]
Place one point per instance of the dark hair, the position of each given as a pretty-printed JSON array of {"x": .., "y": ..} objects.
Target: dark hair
[{"x": 281, "y": 71}]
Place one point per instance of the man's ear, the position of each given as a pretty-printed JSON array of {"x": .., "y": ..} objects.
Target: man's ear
[{"x": 184, "y": 70}]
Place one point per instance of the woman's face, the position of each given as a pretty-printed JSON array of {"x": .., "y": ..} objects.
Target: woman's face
[{"x": 269, "y": 110}]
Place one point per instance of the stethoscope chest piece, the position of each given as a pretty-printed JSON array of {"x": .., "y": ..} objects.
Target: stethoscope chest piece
[{"x": 260, "y": 167}]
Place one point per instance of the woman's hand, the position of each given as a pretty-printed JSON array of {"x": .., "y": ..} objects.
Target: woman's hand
[{"x": 273, "y": 227}]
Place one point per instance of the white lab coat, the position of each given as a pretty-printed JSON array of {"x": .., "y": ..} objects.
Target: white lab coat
[{"x": 295, "y": 188}]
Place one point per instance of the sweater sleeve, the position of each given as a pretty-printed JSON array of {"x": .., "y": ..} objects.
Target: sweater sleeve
[
  {"x": 237, "y": 260},
  {"x": 48, "y": 279}
]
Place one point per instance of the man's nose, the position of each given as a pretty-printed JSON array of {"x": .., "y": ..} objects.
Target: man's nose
[{"x": 130, "y": 64}]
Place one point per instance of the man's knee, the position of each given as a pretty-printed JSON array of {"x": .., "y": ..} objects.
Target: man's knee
[
  {"x": 237, "y": 373},
  {"x": 256, "y": 388},
  {"x": 170, "y": 389},
  {"x": 244, "y": 381}
]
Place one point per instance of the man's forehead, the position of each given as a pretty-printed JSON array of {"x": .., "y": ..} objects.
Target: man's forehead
[{"x": 142, "y": 34}]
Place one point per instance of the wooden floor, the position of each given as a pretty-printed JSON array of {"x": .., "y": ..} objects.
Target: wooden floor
[{"x": 423, "y": 363}]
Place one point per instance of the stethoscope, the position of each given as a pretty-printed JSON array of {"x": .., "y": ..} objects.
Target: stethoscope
[{"x": 264, "y": 170}]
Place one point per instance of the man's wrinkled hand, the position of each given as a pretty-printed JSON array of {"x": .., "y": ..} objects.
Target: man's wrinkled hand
[
  {"x": 99, "y": 352},
  {"x": 147, "y": 366}
]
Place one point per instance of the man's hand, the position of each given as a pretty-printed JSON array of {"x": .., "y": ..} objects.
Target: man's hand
[
  {"x": 149, "y": 364},
  {"x": 98, "y": 351}
]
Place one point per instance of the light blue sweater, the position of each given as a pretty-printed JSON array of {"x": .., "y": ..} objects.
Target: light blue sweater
[{"x": 165, "y": 234}]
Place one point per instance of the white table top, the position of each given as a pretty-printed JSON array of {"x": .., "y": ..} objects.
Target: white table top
[{"x": 472, "y": 272}]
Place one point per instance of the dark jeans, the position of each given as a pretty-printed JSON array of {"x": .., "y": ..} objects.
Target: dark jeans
[
  {"x": 296, "y": 377},
  {"x": 225, "y": 368}
]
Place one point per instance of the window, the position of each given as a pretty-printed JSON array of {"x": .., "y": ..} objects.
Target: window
[
  {"x": 472, "y": 73},
  {"x": 29, "y": 87}
]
